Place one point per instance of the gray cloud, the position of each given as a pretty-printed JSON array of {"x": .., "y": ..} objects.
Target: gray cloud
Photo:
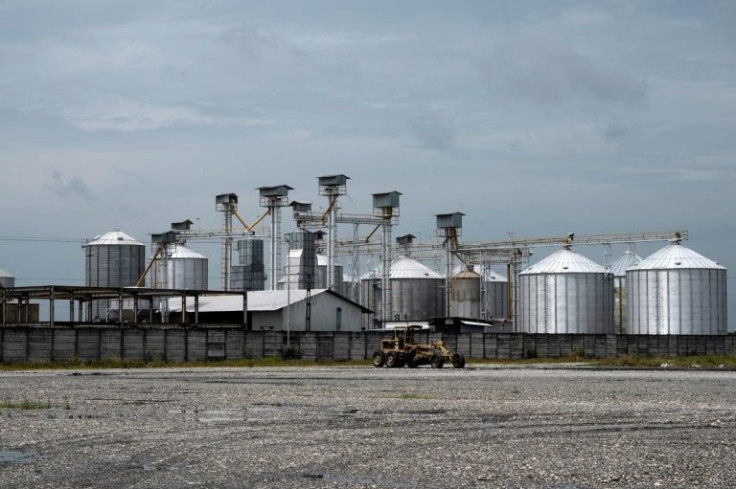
[
  {"x": 546, "y": 71},
  {"x": 432, "y": 131},
  {"x": 72, "y": 187}
]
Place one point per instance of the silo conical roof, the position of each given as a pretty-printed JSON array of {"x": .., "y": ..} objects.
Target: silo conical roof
[
  {"x": 180, "y": 251},
  {"x": 676, "y": 256},
  {"x": 627, "y": 260},
  {"x": 402, "y": 268},
  {"x": 565, "y": 261},
  {"x": 4, "y": 274},
  {"x": 488, "y": 275},
  {"x": 115, "y": 237},
  {"x": 467, "y": 273}
]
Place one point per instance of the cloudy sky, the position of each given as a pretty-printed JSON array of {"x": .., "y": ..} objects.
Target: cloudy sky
[{"x": 534, "y": 118}]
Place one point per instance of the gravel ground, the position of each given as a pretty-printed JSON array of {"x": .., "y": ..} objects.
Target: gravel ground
[{"x": 362, "y": 427}]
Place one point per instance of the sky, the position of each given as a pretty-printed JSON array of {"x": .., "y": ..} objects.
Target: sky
[{"x": 533, "y": 118}]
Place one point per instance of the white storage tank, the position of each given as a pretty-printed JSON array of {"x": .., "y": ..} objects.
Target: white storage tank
[
  {"x": 181, "y": 268},
  {"x": 6, "y": 280},
  {"x": 417, "y": 291},
  {"x": 676, "y": 291},
  {"x": 618, "y": 268},
  {"x": 114, "y": 259},
  {"x": 566, "y": 293}
]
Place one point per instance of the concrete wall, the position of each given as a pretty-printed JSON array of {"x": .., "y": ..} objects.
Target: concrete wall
[{"x": 44, "y": 344}]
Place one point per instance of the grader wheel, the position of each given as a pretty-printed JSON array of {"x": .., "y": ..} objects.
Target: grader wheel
[{"x": 378, "y": 359}]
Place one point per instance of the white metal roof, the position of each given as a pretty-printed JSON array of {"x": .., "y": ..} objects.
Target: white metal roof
[
  {"x": 5, "y": 274},
  {"x": 565, "y": 261},
  {"x": 115, "y": 237},
  {"x": 179, "y": 251},
  {"x": 676, "y": 256},
  {"x": 404, "y": 268},
  {"x": 261, "y": 300},
  {"x": 627, "y": 260}
]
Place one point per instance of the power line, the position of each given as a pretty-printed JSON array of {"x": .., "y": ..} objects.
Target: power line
[{"x": 42, "y": 239}]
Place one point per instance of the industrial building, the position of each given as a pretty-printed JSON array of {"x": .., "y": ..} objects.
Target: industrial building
[
  {"x": 673, "y": 292},
  {"x": 277, "y": 310}
]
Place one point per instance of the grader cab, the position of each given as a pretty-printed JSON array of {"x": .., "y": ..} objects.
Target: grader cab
[{"x": 402, "y": 349}]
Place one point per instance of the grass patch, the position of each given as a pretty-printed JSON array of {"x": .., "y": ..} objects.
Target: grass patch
[
  {"x": 578, "y": 357},
  {"x": 23, "y": 405},
  {"x": 270, "y": 361}
]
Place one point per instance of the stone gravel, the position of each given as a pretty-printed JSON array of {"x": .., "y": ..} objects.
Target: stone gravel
[{"x": 484, "y": 426}]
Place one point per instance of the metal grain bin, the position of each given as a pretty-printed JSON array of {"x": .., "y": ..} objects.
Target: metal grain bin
[
  {"x": 417, "y": 292},
  {"x": 494, "y": 296},
  {"x": 251, "y": 273},
  {"x": 112, "y": 260},
  {"x": 181, "y": 268},
  {"x": 676, "y": 291},
  {"x": 618, "y": 268},
  {"x": 566, "y": 293},
  {"x": 465, "y": 299},
  {"x": 6, "y": 280}
]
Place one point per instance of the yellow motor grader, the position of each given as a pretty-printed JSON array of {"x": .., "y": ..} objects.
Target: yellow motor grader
[{"x": 401, "y": 349}]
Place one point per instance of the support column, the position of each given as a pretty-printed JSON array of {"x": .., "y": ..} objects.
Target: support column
[{"x": 51, "y": 307}]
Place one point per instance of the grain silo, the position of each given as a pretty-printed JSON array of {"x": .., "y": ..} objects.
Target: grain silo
[
  {"x": 495, "y": 295},
  {"x": 618, "y": 268},
  {"x": 676, "y": 291},
  {"x": 566, "y": 293},
  {"x": 250, "y": 274},
  {"x": 6, "y": 280},
  {"x": 321, "y": 282},
  {"x": 417, "y": 292},
  {"x": 112, "y": 260},
  {"x": 181, "y": 268},
  {"x": 465, "y": 297}
]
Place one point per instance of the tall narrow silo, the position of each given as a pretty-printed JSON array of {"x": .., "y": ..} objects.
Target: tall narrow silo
[
  {"x": 112, "y": 260},
  {"x": 181, "y": 268},
  {"x": 302, "y": 262},
  {"x": 494, "y": 295},
  {"x": 417, "y": 292},
  {"x": 618, "y": 268},
  {"x": 251, "y": 273},
  {"x": 6, "y": 280},
  {"x": 566, "y": 293},
  {"x": 676, "y": 291},
  {"x": 466, "y": 294},
  {"x": 321, "y": 282}
]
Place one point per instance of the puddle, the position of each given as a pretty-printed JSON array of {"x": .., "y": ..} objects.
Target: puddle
[{"x": 17, "y": 457}]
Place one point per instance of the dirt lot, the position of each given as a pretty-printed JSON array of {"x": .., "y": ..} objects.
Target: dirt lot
[{"x": 363, "y": 427}]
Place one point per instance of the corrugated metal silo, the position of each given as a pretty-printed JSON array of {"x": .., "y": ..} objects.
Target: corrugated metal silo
[
  {"x": 676, "y": 291},
  {"x": 112, "y": 260},
  {"x": 618, "y": 268},
  {"x": 251, "y": 273},
  {"x": 321, "y": 282},
  {"x": 465, "y": 299},
  {"x": 566, "y": 293},
  {"x": 495, "y": 295},
  {"x": 181, "y": 268},
  {"x": 6, "y": 280},
  {"x": 417, "y": 292}
]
